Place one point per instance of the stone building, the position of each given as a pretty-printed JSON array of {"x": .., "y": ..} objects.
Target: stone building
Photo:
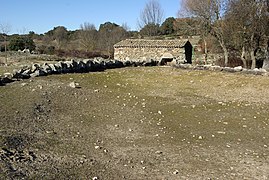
[{"x": 160, "y": 50}]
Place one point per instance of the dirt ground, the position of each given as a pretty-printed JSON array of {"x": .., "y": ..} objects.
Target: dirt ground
[{"x": 136, "y": 123}]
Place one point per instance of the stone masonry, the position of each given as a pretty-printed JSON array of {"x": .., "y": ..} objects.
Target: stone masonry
[{"x": 143, "y": 49}]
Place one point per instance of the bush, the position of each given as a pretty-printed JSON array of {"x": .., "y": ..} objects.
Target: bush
[
  {"x": 19, "y": 43},
  {"x": 46, "y": 49},
  {"x": 233, "y": 62}
]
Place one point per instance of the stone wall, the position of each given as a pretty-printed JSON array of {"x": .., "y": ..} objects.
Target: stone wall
[
  {"x": 147, "y": 53},
  {"x": 73, "y": 66}
]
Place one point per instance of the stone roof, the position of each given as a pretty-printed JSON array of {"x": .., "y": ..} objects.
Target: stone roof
[{"x": 176, "y": 43}]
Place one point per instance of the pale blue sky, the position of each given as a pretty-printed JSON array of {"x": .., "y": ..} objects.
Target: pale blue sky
[{"x": 41, "y": 16}]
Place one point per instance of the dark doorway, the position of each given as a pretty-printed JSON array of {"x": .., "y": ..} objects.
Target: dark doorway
[
  {"x": 188, "y": 52},
  {"x": 166, "y": 58},
  {"x": 164, "y": 61}
]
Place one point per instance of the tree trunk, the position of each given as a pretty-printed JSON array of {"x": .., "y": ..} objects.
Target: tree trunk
[
  {"x": 225, "y": 52},
  {"x": 226, "y": 56},
  {"x": 253, "y": 59},
  {"x": 205, "y": 43},
  {"x": 266, "y": 60},
  {"x": 6, "y": 48},
  {"x": 252, "y": 53},
  {"x": 243, "y": 57}
]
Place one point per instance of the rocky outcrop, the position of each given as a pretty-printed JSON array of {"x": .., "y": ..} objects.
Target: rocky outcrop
[{"x": 73, "y": 66}]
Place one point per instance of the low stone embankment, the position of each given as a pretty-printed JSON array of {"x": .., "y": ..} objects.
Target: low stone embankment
[
  {"x": 73, "y": 66},
  {"x": 240, "y": 69},
  {"x": 89, "y": 65}
]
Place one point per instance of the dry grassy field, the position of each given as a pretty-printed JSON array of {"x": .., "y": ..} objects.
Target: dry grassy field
[{"x": 136, "y": 123}]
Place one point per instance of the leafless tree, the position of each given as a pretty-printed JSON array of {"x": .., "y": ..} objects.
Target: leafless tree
[
  {"x": 61, "y": 36},
  {"x": 151, "y": 14},
  {"x": 210, "y": 14},
  {"x": 88, "y": 36},
  {"x": 250, "y": 28},
  {"x": 109, "y": 34},
  {"x": 5, "y": 28}
]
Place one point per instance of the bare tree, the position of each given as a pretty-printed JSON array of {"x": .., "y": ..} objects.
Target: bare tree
[
  {"x": 210, "y": 13},
  {"x": 110, "y": 34},
  {"x": 151, "y": 14},
  {"x": 250, "y": 28},
  {"x": 5, "y": 28},
  {"x": 88, "y": 36},
  {"x": 61, "y": 36}
]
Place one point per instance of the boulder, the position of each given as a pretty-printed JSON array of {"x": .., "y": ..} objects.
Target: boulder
[
  {"x": 207, "y": 67},
  {"x": 238, "y": 68},
  {"x": 81, "y": 67},
  {"x": 8, "y": 75},
  {"x": 74, "y": 85},
  {"x": 21, "y": 74},
  {"x": 58, "y": 68},
  {"x": 46, "y": 68},
  {"x": 199, "y": 67},
  {"x": 228, "y": 69},
  {"x": 52, "y": 67},
  {"x": 5, "y": 80},
  {"x": 88, "y": 64},
  {"x": 1, "y": 82},
  {"x": 127, "y": 63},
  {"x": 185, "y": 66},
  {"x": 35, "y": 67},
  {"x": 150, "y": 62},
  {"x": 66, "y": 67},
  {"x": 216, "y": 68},
  {"x": 38, "y": 73}
]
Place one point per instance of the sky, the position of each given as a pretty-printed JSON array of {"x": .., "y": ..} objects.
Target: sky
[{"x": 41, "y": 16}]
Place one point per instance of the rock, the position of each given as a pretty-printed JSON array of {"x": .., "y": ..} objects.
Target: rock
[
  {"x": 185, "y": 66},
  {"x": 127, "y": 63},
  {"x": 74, "y": 85},
  {"x": 9, "y": 75},
  {"x": 97, "y": 66},
  {"x": 228, "y": 69},
  {"x": 6, "y": 80},
  {"x": 52, "y": 67},
  {"x": 88, "y": 64},
  {"x": 207, "y": 67},
  {"x": 158, "y": 152},
  {"x": 175, "y": 172},
  {"x": 35, "y": 67},
  {"x": 66, "y": 67},
  {"x": 150, "y": 62},
  {"x": 199, "y": 67},
  {"x": 81, "y": 67},
  {"x": 23, "y": 84},
  {"x": 38, "y": 73},
  {"x": 1, "y": 83},
  {"x": 238, "y": 68},
  {"x": 216, "y": 68},
  {"x": 58, "y": 68}
]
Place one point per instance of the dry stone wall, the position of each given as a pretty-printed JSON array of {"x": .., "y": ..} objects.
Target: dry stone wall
[
  {"x": 73, "y": 66},
  {"x": 88, "y": 65}
]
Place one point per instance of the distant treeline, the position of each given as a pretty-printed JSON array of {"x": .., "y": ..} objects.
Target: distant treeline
[{"x": 89, "y": 42}]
